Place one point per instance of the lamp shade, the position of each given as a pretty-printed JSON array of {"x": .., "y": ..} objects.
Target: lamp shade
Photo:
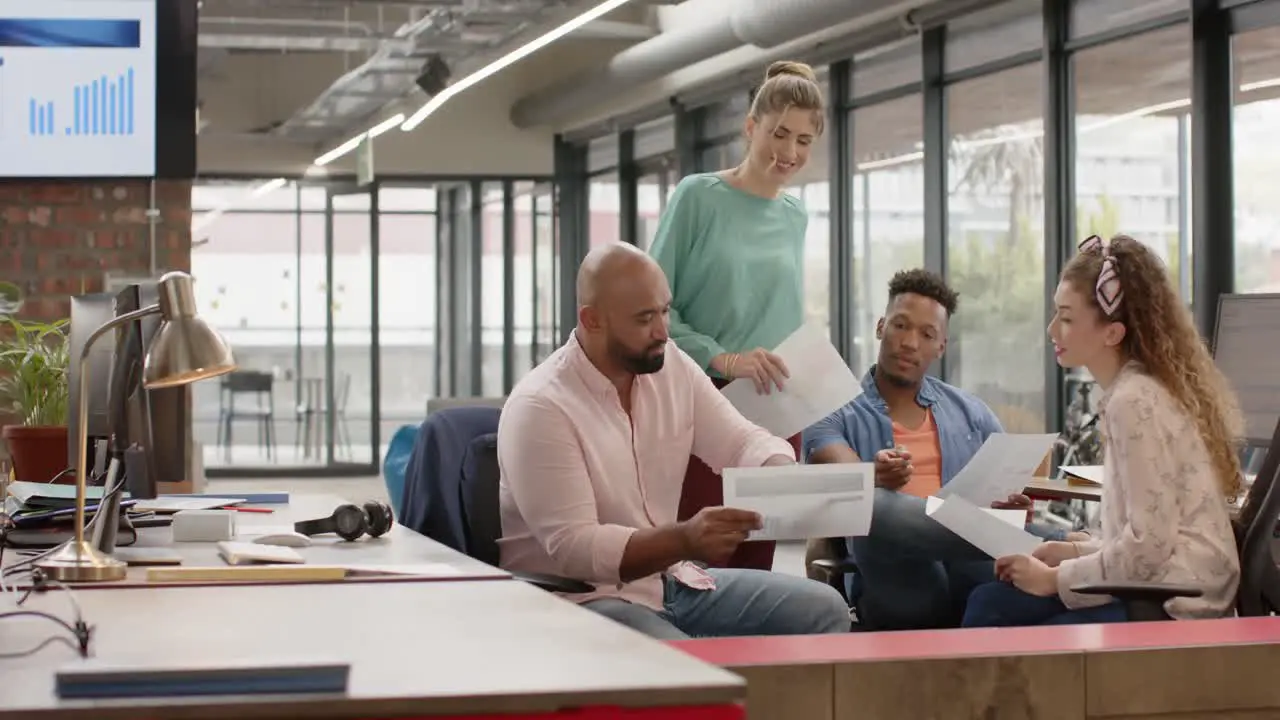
[{"x": 186, "y": 349}]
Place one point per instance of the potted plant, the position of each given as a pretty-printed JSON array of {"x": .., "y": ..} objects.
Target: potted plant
[{"x": 34, "y": 358}]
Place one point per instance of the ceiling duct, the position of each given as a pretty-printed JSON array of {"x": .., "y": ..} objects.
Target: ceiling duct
[{"x": 762, "y": 23}]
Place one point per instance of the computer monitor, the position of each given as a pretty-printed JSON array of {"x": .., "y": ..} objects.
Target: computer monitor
[
  {"x": 88, "y": 313},
  {"x": 1244, "y": 341},
  {"x": 148, "y": 426}
]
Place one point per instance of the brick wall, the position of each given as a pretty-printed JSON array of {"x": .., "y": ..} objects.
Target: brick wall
[{"x": 59, "y": 239}]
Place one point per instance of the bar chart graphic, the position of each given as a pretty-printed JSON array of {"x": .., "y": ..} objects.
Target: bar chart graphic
[
  {"x": 103, "y": 106},
  {"x": 77, "y": 88}
]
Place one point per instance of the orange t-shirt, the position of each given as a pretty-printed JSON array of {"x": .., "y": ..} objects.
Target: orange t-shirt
[{"x": 926, "y": 456}]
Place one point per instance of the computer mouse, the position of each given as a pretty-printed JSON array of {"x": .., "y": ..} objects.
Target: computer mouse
[{"x": 284, "y": 539}]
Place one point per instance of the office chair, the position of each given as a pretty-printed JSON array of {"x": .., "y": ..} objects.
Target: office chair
[
  {"x": 835, "y": 564},
  {"x": 451, "y": 488},
  {"x": 1255, "y": 529},
  {"x": 482, "y": 518}
]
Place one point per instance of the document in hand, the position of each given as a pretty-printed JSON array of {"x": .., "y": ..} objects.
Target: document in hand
[
  {"x": 799, "y": 502},
  {"x": 820, "y": 384},
  {"x": 1000, "y": 468},
  {"x": 995, "y": 535}
]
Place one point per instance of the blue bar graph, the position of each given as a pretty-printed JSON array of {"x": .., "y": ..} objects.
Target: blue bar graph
[{"x": 103, "y": 106}]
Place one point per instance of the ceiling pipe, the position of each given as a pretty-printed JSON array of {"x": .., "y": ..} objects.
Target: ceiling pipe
[{"x": 763, "y": 23}]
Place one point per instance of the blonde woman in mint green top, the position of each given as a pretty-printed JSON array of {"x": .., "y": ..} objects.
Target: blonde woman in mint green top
[
  {"x": 732, "y": 246},
  {"x": 735, "y": 262}
]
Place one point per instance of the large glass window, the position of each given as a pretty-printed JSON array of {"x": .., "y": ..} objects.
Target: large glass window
[
  {"x": 524, "y": 280},
  {"x": 814, "y": 191},
  {"x": 1133, "y": 151},
  {"x": 406, "y": 304},
  {"x": 546, "y": 262},
  {"x": 1257, "y": 160},
  {"x": 995, "y": 243},
  {"x": 888, "y": 210},
  {"x": 605, "y": 223},
  {"x": 653, "y": 188},
  {"x": 247, "y": 235},
  {"x": 493, "y": 297}
]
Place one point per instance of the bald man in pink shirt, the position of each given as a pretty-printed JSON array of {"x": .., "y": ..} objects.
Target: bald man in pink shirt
[{"x": 593, "y": 445}]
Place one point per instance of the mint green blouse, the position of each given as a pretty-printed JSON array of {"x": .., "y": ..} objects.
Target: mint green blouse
[{"x": 735, "y": 262}]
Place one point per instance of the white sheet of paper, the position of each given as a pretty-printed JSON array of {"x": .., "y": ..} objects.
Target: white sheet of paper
[
  {"x": 798, "y": 502},
  {"x": 1016, "y": 518},
  {"x": 820, "y": 384},
  {"x": 1000, "y": 468},
  {"x": 988, "y": 533},
  {"x": 1092, "y": 473}
]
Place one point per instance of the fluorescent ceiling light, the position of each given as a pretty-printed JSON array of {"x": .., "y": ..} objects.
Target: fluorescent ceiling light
[
  {"x": 510, "y": 58},
  {"x": 354, "y": 142},
  {"x": 223, "y": 205}
]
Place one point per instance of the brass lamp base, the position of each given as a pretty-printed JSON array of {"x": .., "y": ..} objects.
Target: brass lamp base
[{"x": 82, "y": 562}]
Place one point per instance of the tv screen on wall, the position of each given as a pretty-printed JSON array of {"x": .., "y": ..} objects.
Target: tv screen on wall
[{"x": 97, "y": 88}]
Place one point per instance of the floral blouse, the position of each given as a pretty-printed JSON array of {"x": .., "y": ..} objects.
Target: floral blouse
[{"x": 1164, "y": 518}]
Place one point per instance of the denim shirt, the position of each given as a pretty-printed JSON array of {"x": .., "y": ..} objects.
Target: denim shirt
[{"x": 964, "y": 422}]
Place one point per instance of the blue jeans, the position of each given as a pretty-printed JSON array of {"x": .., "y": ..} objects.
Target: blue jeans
[
  {"x": 912, "y": 572},
  {"x": 1000, "y": 604},
  {"x": 744, "y": 602}
]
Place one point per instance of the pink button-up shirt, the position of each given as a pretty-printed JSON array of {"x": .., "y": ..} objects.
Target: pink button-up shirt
[{"x": 579, "y": 476}]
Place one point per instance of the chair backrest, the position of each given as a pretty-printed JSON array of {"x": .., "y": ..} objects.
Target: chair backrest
[
  {"x": 1257, "y": 494},
  {"x": 248, "y": 381},
  {"x": 431, "y": 503},
  {"x": 1259, "y": 592},
  {"x": 435, "y": 405},
  {"x": 396, "y": 463},
  {"x": 480, "y": 476}
]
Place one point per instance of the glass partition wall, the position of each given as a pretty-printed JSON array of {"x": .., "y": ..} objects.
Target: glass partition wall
[{"x": 349, "y": 307}]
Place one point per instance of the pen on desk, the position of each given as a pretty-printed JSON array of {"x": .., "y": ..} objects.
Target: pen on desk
[{"x": 245, "y": 509}]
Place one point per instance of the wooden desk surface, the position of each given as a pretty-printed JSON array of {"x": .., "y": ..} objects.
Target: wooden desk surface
[
  {"x": 1044, "y": 488},
  {"x": 415, "y": 649},
  {"x": 401, "y": 546}
]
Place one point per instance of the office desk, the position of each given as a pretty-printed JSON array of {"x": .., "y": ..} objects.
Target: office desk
[
  {"x": 401, "y": 546},
  {"x": 415, "y": 649}
]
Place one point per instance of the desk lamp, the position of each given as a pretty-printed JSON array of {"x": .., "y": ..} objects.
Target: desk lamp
[{"x": 185, "y": 350}]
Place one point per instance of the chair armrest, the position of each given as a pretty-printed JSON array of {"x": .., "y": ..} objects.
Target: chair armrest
[
  {"x": 553, "y": 583},
  {"x": 1139, "y": 591},
  {"x": 834, "y": 565}
]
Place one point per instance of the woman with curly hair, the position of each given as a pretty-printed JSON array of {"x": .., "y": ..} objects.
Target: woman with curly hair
[{"x": 1170, "y": 424}]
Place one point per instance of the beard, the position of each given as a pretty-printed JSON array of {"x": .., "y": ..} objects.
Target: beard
[{"x": 642, "y": 363}]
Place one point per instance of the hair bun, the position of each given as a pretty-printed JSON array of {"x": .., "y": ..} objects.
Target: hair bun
[{"x": 791, "y": 67}]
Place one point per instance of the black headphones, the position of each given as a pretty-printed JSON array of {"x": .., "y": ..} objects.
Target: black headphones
[{"x": 351, "y": 521}]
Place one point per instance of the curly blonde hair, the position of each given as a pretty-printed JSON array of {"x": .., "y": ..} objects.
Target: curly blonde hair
[{"x": 1160, "y": 334}]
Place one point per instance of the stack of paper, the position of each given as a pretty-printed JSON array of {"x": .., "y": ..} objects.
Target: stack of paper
[
  {"x": 1000, "y": 468},
  {"x": 820, "y": 384}
]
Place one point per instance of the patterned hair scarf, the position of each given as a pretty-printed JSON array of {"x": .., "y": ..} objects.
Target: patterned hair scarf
[{"x": 1108, "y": 290}]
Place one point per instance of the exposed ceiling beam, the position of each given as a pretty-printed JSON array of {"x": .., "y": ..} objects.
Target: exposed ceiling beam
[
  {"x": 614, "y": 30},
  {"x": 275, "y": 41}
]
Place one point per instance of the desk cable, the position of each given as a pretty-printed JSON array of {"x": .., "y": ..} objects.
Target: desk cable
[{"x": 78, "y": 628}]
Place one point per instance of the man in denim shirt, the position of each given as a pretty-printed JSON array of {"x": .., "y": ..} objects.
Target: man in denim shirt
[{"x": 919, "y": 432}]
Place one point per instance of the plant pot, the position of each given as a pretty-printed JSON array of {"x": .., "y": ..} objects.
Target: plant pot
[{"x": 38, "y": 453}]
